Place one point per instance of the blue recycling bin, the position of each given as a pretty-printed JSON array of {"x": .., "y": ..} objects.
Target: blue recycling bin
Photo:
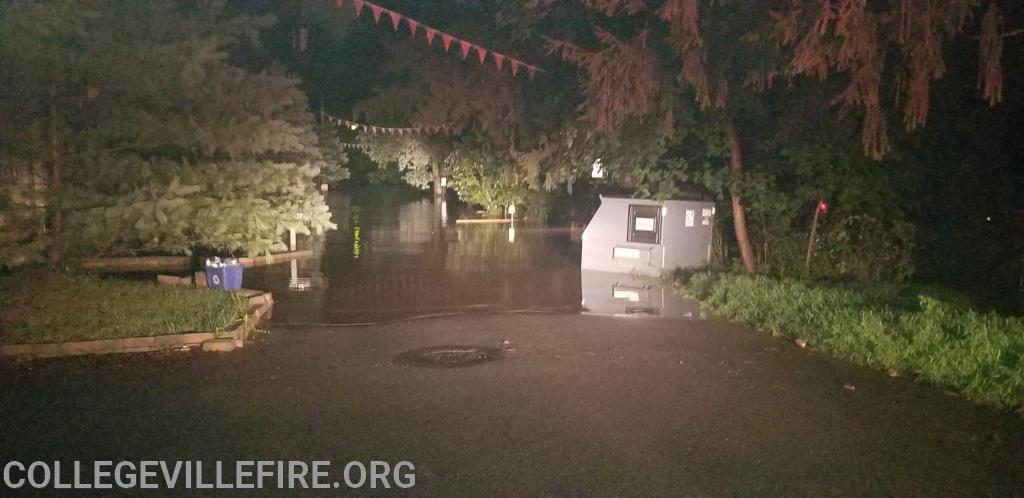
[{"x": 224, "y": 277}]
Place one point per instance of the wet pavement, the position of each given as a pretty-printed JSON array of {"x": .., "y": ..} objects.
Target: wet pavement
[
  {"x": 565, "y": 404},
  {"x": 576, "y": 406}
]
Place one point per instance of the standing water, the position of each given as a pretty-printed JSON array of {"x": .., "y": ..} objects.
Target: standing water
[{"x": 393, "y": 257}]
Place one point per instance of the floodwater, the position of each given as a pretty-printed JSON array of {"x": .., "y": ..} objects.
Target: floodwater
[{"x": 393, "y": 256}]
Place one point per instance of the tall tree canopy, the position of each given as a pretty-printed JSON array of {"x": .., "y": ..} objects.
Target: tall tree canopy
[{"x": 723, "y": 55}]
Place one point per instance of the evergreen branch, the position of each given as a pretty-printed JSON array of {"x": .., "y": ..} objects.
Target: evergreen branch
[{"x": 111, "y": 149}]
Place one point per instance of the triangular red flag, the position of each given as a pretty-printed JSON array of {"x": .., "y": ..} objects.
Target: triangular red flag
[
  {"x": 515, "y": 65},
  {"x": 412, "y": 26},
  {"x": 377, "y": 11},
  {"x": 531, "y": 70},
  {"x": 395, "y": 19},
  {"x": 498, "y": 59},
  {"x": 359, "y": 6},
  {"x": 430, "y": 35},
  {"x": 447, "y": 39},
  {"x": 465, "y": 48},
  {"x": 481, "y": 52}
]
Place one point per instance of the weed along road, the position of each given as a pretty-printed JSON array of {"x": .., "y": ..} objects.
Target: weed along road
[{"x": 485, "y": 389}]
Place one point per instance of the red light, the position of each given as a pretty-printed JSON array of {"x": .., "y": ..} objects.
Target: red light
[{"x": 823, "y": 207}]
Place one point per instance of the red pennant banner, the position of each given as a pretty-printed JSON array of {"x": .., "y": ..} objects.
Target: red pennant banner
[
  {"x": 395, "y": 18},
  {"x": 481, "y": 52},
  {"x": 377, "y": 11}
]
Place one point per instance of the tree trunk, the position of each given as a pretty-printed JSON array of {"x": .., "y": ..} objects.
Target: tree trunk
[
  {"x": 56, "y": 252},
  {"x": 739, "y": 215}
]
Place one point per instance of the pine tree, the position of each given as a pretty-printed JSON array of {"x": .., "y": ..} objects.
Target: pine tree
[{"x": 155, "y": 140}]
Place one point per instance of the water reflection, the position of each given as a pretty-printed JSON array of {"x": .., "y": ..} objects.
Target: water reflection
[
  {"x": 392, "y": 257},
  {"x": 621, "y": 294}
]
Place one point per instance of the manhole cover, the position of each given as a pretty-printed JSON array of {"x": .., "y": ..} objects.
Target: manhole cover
[{"x": 448, "y": 356}]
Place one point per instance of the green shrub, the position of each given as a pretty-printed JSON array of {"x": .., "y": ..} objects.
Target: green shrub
[
  {"x": 855, "y": 247},
  {"x": 938, "y": 338},
  {"x": 867, "y": 248}
]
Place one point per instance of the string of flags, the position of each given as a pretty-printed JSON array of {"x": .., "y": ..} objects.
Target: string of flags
[
  {"x": 418, "y": 130},
  {"x": 447, "y": 40},
  {"x": 346, "y": 145}
]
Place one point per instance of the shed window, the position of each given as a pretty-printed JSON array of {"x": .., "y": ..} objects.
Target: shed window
[{"x": 644, "y": 224}]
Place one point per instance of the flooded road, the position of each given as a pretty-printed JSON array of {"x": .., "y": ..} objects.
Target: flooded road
[
  {"x": 569, "y": 405},
  {"x": 393, "y": 257}
]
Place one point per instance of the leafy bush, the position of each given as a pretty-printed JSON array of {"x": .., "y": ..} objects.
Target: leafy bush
[
  {"x": 938, "y": 338},
  {"x": 867, "y": 248},
  {"x": 22, "y": 237}
]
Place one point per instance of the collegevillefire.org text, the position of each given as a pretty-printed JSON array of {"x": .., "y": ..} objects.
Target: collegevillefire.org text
[{"x": 196, "y": 474}]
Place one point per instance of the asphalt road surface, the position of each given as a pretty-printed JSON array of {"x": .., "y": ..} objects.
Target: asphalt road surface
[{"x": 576, "y": 405}]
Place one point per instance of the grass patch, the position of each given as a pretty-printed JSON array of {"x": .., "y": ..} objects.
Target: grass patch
[
  {"x": 934, "y": 335},
  {"x": 43, "y": 306}
]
